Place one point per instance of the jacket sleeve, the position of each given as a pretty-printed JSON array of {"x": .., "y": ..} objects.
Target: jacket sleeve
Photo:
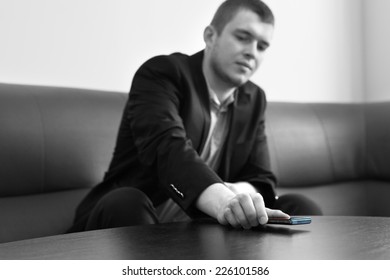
[{"x": 160, "y": 136}]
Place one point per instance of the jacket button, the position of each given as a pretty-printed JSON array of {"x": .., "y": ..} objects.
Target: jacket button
[{"x": 179, "y": 193}]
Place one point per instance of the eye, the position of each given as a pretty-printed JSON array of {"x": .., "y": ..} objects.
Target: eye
[
  {"x": 242, "y": 37},
  {"x": 262, "y": 47}
]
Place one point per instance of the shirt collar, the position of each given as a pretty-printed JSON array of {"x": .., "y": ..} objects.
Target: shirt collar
[{"x": 221, "y": 106}]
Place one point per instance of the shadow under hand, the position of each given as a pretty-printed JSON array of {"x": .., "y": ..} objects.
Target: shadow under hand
[{"x": 281, "y": 230}]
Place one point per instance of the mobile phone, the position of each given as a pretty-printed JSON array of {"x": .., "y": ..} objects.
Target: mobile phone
[{"x": 294, "y": 220}]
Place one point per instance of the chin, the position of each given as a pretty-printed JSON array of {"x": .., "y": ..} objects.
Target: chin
[
  {"x": 234, "y": 79},
  {"x": 239, "y": 81}
]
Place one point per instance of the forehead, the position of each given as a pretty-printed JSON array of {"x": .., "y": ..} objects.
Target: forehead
[{"x": 249, "y": 21}]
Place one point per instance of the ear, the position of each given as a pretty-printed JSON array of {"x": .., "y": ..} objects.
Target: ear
[{"x": 209, "y": 35}]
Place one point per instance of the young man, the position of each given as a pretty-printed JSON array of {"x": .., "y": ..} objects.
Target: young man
[{"x": 192, "y": 134}]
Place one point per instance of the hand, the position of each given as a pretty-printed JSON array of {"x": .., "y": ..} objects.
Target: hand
[
  {"x": 243, "y": 209},
  {"x": 247, "y": 210},
  {"x": 240, "y": 187}
]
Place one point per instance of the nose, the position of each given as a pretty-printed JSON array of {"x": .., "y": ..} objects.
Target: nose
[{"x": 251, "y": 50}]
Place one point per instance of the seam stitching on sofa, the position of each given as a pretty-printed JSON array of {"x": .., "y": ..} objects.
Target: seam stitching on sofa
[
  {"x": 326, "y": 140},
  {"x": 365, "y": 144},
  {"x": 272, "y": 138}
]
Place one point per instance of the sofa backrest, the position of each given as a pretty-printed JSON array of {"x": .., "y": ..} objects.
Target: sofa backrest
[
  {"x": 378, "y": 140},
  {"x": 316, "y": 144},
  {"x": 54, "y": 139}
]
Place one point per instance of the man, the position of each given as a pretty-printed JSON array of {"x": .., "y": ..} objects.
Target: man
[{"x": 192, "y": 134}]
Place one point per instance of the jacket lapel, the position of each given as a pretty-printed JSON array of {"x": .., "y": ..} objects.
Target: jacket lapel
[{"x": 203, "y": 122}]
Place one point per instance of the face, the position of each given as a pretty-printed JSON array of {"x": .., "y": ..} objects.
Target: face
[{"x": 236, "y": 53}]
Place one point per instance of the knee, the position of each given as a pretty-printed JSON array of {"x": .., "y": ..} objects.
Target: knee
[
  {"x": 125, "y": 200},
  {"x": 122, "y": 207}
]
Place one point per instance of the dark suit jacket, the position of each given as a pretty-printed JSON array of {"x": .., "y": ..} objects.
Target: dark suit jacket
[{"x": 164, "y": 127}]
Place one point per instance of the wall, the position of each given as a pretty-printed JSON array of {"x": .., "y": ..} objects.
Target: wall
[
  {"x": 316, "y": 54},
  {"x": 93, "y": 43},
  {"x": 377, "y": 46}
]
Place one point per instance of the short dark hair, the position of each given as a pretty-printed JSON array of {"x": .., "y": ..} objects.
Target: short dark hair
[{"x": 228, "y": 9}]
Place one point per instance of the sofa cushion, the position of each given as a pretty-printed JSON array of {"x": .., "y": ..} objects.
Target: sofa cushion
[
  {"x": 316, "y": 144},
  {"x": 21, "y": 142},
  {"x": 378, "y": 140},
  {"x": 55, "y": 138}
]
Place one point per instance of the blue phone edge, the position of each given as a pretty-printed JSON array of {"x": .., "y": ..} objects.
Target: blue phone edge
[{"x": 300, "y": 220}]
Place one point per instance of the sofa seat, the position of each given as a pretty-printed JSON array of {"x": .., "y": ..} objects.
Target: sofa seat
[{"x": 29, "y": 216}]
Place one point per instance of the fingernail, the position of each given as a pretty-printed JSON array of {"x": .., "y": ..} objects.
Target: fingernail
[{"x": 263, "y": 220}]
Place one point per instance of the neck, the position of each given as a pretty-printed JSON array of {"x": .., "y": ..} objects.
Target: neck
[{"x": 221, "y": 89}]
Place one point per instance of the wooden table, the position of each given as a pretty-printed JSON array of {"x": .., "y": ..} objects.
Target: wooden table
[{"x": 333, "y": 238}]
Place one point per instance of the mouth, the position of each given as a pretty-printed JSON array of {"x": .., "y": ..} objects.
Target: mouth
[{"x": 244, "y": 64}]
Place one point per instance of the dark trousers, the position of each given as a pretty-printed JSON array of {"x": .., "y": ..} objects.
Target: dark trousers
[{"x": 129, "y": 206}]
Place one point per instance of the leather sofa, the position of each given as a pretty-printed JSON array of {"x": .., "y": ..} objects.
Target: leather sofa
[
  {"x": 56, "y": 143},
  {"x": 336, "y": 154}
]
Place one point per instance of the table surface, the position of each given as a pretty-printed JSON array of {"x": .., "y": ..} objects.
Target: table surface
[{"x": 328, "y": 237}]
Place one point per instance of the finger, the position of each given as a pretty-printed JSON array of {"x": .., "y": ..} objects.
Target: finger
[
  {"x": 229, "y": 216},
  {"x": 238, "y": 212},
  {"x": 249, "y": 209},
  {"x": 261, "y": 211},
  {"x": 222, "y": 219},
  {"x": 273, "y": 213}
]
